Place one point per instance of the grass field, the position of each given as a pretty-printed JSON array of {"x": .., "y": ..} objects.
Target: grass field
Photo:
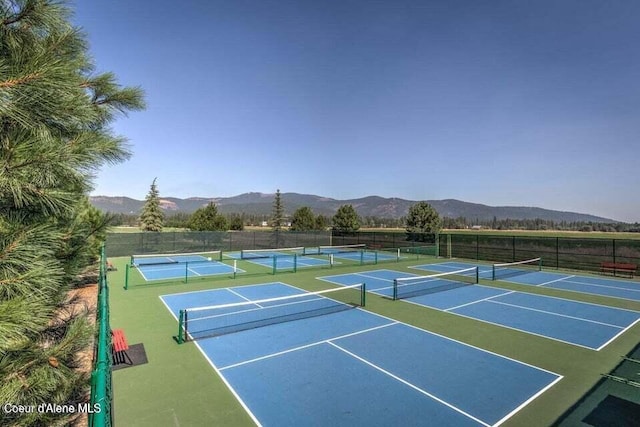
[{"x": 179, "y": 387}]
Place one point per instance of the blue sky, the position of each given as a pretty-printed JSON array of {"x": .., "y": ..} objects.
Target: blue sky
[{"x": 500, "y": 102}]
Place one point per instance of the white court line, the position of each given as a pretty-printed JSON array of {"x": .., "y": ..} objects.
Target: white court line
[
  {"x": 224, "y": 380},
  {"x": 556, "y": 280},
  {"x": 258, "y": 308},
  {"x": 241, "y": 296},
  {"x": 181, "y": 270},
  {"x": 407, "y": 383},
  {"x": 618, "y": 334},
  {"x": 423, "y": 267},
  {"x": 585, "y": 292},
  {"x": 477, "y": 301},
  {"x": 327, "y": 341},
  {"x": 599, "y": 285},
  {"x": 557, "y": 314},
  {"x": 452, "y": 339},
  {"x": 143, "y": 276},
  {"x": 378, "y": 278},
  {"x": 195, "y": 272},
  {"x": 526, "y": 402},
  {"x": 222, "y": 289},
  {"x": 366, "y": 276},
  {"x": 503, "y": 326}
]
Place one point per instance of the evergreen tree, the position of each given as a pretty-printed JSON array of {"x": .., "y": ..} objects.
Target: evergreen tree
[
  {"x": 346, "y": 219},
  {"x": 54, "y": 135},
  {"x": 422, "y": 219},
  {"x": 152, "y": 217},
  {"x": 208, "y": 219},
  {"x": 277, "y": 219},
  {"x": 236, "y": 222},
  {"x": 277, "y": 215},
  {"x": 303, "y": 219},
  {"x": 177, "y": 220},
  {"x": 321, "y": 222}
]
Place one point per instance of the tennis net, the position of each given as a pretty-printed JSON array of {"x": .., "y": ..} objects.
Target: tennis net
[
  {"x": 211, "y": 321},
  {"x": 408, "y": 287},
  {"x": 176, "y": 258},
  {"x": 510, "y": 269},
  {"x": 270, "y": 253},
  {"x": 339, "y": 249}
]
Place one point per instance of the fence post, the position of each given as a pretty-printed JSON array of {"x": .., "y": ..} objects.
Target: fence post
[{"x": 477, "y": 246}]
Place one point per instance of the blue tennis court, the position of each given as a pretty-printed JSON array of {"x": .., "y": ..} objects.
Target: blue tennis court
[
  {"x": 283, "y": 260},
  {"x": 353, "y": 367},
  {"x": 615, "y": 288},
  {"x": 152, "y": 272},
  {"x": 586, "y": 325}
]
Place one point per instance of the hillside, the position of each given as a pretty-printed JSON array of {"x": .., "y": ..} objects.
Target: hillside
[{"x": 261, "y": 204}]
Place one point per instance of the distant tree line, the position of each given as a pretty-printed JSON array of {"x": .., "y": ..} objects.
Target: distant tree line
[
  {"x": 238, "y": 221},
  {"x": 539, "y": 224}
]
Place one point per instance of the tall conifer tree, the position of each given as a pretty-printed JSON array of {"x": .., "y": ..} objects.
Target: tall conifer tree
[
  {"x": 152, "y": 218},
  {"x": 277, "y": 219},
  {"x": 346, "y": 219},
  {"x": 54, "y": 135}
]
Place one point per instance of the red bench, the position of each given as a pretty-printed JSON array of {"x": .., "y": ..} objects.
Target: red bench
[
  {"x": 618, "y": 267},
  {"x": 119, "y": 347}
]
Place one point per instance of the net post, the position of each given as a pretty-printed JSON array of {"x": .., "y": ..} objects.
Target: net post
[
  {"x": 295, "y": 263},
  {"x": 181, "y": 321},
  {"x": 363, "y": 294},
  {"x": 126, "y": 277},
  {"x": 540, "y": 264},
  {"x": 186, "y": 272},
  {"x": 275, "y": 264},
  {"x": 395, "y": 289},
  {"x": 220, "y": 256},
  {"x": 235, "y": 268},
  {"x": 398, "y": 255},
  {"x": 493, "y": 272},
  {"x": 362, "y": 257},
  {"x": 331, "y": 260},
  {"x": 477, "y": 275}
]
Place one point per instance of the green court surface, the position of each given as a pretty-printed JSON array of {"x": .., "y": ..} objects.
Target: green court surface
[{"x": 178, "y": 386}]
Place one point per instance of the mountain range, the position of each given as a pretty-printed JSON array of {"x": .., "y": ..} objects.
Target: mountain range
[{"x": 262, "y": 204}]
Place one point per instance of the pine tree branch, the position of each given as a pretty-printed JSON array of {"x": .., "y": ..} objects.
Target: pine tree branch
[{"x": 20, "y": 81}]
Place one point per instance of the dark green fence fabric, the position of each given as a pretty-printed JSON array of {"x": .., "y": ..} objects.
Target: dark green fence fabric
[
  {"x": 101, "y": 389},
  {"x": 125, "y": 244},
  {"x": 556, "y": 252}
]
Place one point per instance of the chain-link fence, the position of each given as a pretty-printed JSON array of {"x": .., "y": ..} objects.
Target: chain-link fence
[
  {"x": 125, "y": 244},
  {"x": 387, "y": 239},
  {"x": 556, "y": 252},
  {"x": 101, "y": 388}
]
